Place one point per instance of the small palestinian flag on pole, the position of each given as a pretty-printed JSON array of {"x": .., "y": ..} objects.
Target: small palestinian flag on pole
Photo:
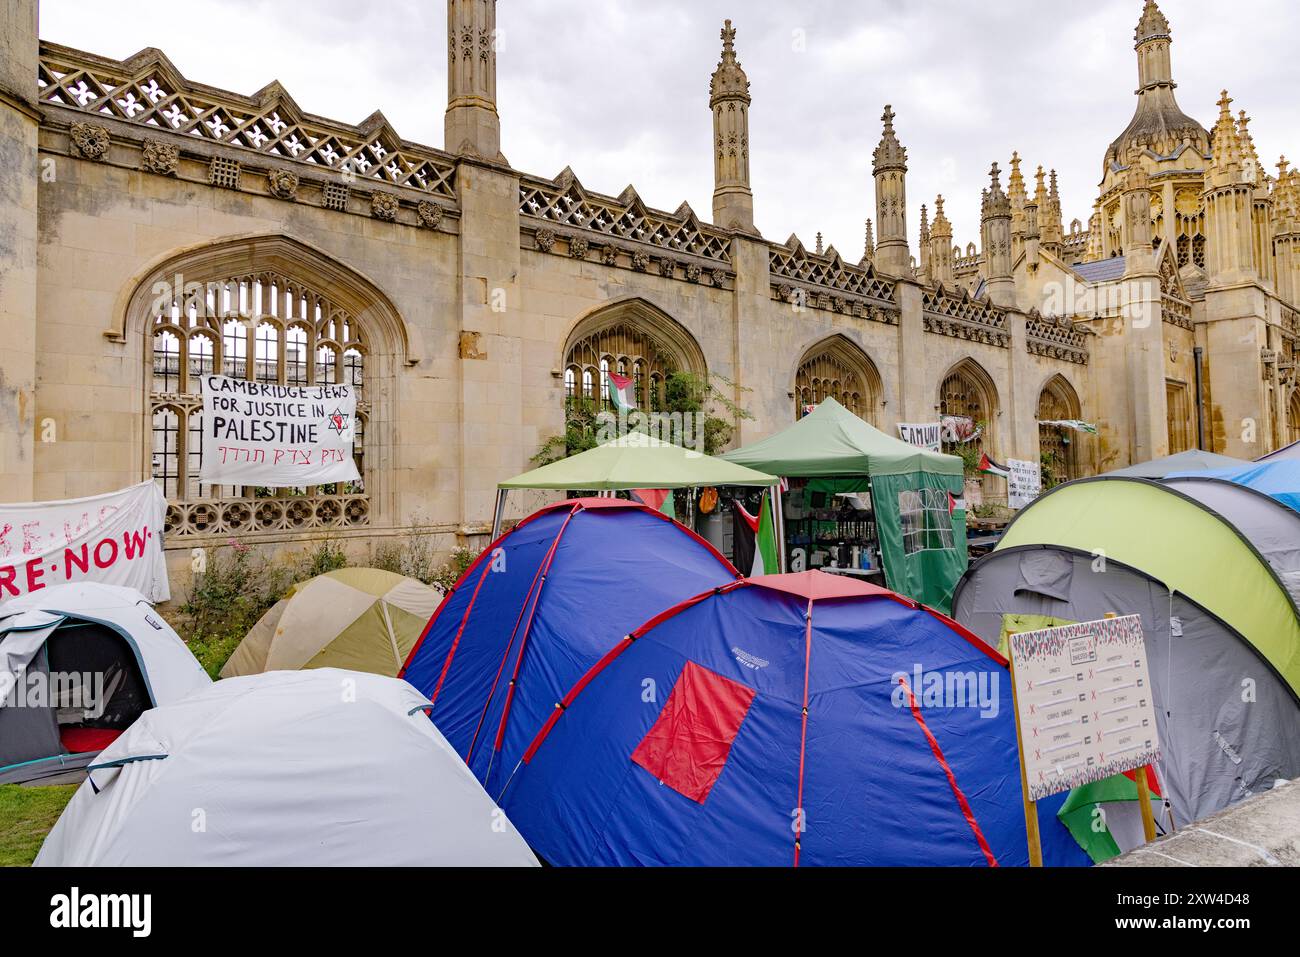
[
  {"x": 765, "y": 554},
  {"x": 621, "y": 392},
  {"x": 988, "y": 466}
]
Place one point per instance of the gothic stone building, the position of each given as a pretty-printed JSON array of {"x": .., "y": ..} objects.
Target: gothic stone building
[{"x": 153, "y": 228}]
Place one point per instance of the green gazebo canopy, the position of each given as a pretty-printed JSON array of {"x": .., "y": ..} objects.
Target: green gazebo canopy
[
  {"x": 637, "y": 460},
  {"x": 832, "y": 441}
]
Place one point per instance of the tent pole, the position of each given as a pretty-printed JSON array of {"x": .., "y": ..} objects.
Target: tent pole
[
  {"x": 778, "y": 520},
  {"x": 498, "y": 515}
]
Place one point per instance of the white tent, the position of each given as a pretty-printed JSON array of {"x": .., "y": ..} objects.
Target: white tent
[
  {"x": 78, "y": 664},
  {"x": 318, "y": 768}
]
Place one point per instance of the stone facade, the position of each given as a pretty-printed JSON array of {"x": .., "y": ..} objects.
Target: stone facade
[{"x": 166, "y": 228}]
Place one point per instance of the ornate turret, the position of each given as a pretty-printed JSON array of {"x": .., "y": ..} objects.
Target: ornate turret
[
  {"x": 1158, "y": 123},
  {"x": 472, "y": 126},
  {"x": 996, "y": 222},
  {"x": 925, "y": 243},
  {"x": 1229, "y": 202},
  {"x": 733, "y": 201},
  {"x": 890, "y": 169}
]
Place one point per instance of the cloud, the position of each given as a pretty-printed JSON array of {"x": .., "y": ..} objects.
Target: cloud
[{"x": 618, "y": 89}]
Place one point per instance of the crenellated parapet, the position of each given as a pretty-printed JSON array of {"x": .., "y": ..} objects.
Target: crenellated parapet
[
  {"x": 145, "y": 103},
  {"x": 1056, "y": 338},
  {"x": 828, "y": 283},
  {"x": 561, "y": 216},
  {"x": 946, "y": 312}
]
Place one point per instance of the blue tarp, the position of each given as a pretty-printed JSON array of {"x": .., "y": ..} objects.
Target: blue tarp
[
  {"x": 874, "y": 792},
  {"x": 1278, "y": 478},
  {"x": 617, "y": 563}
]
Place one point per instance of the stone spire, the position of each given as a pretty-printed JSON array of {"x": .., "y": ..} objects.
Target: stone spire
[
  {"x": 1229, "y": 156},
  {"x": 890, "y": 169},
  {"x": 925, "y": 242},
  {"x": 1249, "y": 156},
  {"x": 1032, "y": 218},
  {"x": 1018, "y": 196},
  {"x": 940, "y": 246},
  {"x": 869, "y": 249},
  {"x": 820, "y": 248},
  {"x": 996, "y": 222},
  {"x": 471, "y": 126},
  {"x": 733, "y": 200}
]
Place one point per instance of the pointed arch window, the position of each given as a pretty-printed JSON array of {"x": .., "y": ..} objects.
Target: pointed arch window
[
  {"x": 263, "y": 327},
  {"x": 837, "y": 369}
]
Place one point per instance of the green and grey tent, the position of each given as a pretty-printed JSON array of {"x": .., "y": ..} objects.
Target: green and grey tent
[
  {"x": 362, "y": 619},
  {"x": 922, "y": 537},
  {"x": 1214, "y": 571}
]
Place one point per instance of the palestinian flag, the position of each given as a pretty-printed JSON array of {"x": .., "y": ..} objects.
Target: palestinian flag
[
  {"x": 1104, "y": 816},
  {"x": 765, "y": 554},
  {"x": 621, "y": 392},
  {"x": 990, "y": 467},
  {"x": 660, "y": 499}
]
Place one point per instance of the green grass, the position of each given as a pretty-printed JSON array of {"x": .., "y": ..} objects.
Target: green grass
[{"x": 26, "y": 816}]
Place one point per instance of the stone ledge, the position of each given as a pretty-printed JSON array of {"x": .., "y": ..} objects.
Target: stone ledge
[{"x": 1261, "y": 831}]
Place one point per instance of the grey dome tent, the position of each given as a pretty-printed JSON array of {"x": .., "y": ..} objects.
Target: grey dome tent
[
  {"x": 78, "y": 664},
  {"x": 1212, "y": 569},
  {"x": 1193, "y": 460}
]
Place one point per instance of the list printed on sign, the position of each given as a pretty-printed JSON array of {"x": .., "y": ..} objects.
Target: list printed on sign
[
  {"x": 277, "y": 436},
  {"x": 1084, "y": 702}
]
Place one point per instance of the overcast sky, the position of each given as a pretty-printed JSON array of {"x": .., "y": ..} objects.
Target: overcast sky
[{"x": 618, "y": 89}]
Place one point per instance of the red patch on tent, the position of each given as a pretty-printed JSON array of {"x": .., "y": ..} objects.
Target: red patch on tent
[{"x": 687, "y": 746}]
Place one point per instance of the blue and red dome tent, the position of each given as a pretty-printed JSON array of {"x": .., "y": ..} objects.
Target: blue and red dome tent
[
  {"x": 539, "y": 607},
  {"x": 787, "y": 719}
]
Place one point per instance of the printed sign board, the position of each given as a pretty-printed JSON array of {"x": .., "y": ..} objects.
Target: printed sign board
[
  {"x": 277, "y": 436},
  {"x": 1083, "y": 699}
]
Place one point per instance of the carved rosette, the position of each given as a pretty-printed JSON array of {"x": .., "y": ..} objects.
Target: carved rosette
[
  {"x": 282, "y": 183},
  {"x": 578, "y": 247},
  {"x": 545, "y": 239},
  {"x": 384, "y": 206},
  {"x": 89, "y": 141},
  {"x": 160, "y": 158},
  {"x": 430, "y": 214}
]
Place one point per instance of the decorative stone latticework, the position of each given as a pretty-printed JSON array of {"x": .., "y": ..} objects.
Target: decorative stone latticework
[
  {"x": 1056, "y": 339},
  {"x": 826, "y": 278},
  {"x": 148, "y": 92},
  {"x": 564, "y": 202},
  {"x": 946, "y": 313},
  {"x": 247, "y": 516},
  {"x": 224, "y": 172}
]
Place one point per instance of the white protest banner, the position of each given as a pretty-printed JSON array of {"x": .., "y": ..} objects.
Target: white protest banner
[
  {"x": 115, "y": 539},
  {"x": 1083, "y": 700},
  {"x": 277, "y": 436},
  {"x": 926, "y": 435},
  {"x": 1024, "y": 482}
]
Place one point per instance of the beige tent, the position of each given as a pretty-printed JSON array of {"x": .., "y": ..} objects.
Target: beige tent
[{"x": 362, "y": 619}]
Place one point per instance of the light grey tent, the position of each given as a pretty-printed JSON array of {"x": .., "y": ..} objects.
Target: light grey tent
[
  {"x": 78, "y": 664},
  {"x": 1193, "y": 460},
  {"x": 1212, "y": 569}
]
